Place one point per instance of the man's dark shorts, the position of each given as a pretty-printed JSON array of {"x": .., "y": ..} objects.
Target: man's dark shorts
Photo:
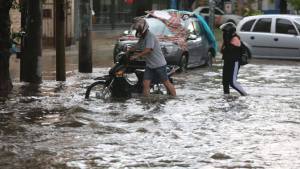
[{"x": 156, "y": 74}]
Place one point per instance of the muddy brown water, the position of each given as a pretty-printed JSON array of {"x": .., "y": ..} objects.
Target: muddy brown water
[{"x": 51, "y": 125}]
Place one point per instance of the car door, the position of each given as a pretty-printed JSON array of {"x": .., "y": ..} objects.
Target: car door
[
  {"x": 194, "y": 43},
  {"x": 202, "y": 46},
  {"x": 286, "y": 42},
  {"x": 260, "y": 39}
]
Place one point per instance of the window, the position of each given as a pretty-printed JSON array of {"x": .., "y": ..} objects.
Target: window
[
  {"x": 191, "y": 28},
  {"x": 197, "y": 27},
  {"x": 284, "y": 26},
  {"x": 47, "y": 13},
  {"x": 263, "y": 25},
  {"x": 247, "y": 26},
  {"x": 158, "y": 27},
  {"x": 298, "y": 26},
  {"x": 218, "y": 12},
  {"x": 205, "y": 10}
]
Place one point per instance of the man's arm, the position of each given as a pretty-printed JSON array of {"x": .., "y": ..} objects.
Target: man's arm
[{"x": 145, "y": 52}]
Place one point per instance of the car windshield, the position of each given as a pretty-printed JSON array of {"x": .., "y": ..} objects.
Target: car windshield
[
  {"x": 297, "y": 20},
  {"x": 157, "y": 27}
]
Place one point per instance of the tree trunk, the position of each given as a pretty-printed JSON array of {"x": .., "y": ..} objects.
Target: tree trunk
[
  {"x": 5, "y": 44},
  {"x": 85, "y": 41},
  {"x": 31, "y": 59}
]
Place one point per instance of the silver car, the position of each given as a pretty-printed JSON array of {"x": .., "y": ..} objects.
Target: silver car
[
  {"x": 220, "y": 16},
  {"x": 199, "y": 50},
  {"x": 271, "y": 36}
]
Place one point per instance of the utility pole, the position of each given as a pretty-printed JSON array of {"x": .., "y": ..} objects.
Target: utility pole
[
  {"x": 31, "y": 59},
  {"x": 85, "y": 41},
  {"x": 60, "y": 39},
  {"x": 112, "y": 14},
  {"x": 76, "y": 19},
  {"x": 212, "y": 5},
  {"x": 283, "y": 6},
  {"x": 23, "y": 4}
]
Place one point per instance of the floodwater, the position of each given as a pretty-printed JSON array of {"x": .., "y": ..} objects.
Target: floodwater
[{"x": 52, "y": 126}]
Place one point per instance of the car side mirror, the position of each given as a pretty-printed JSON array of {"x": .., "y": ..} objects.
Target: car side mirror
[{"x": 192, "y": 37}]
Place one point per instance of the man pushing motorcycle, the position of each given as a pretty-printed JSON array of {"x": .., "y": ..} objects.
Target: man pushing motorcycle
[{"x": 153, "y": 56}]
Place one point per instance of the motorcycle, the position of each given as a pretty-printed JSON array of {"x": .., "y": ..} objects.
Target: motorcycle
[{"x": 117, "y": 83}]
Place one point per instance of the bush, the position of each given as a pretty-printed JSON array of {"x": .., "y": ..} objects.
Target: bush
[{"x": 251, "y": 12}]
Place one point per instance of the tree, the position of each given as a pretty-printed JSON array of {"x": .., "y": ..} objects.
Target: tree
[
  {"x": 5, "y": 45},
  {"x": 295, "y": 4}
]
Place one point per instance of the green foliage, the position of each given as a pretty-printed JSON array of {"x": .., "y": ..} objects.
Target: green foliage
[
  {"x": 295, "y": 4},
  {"x": 251, "y": 12}
]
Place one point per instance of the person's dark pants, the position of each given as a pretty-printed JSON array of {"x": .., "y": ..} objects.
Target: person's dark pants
[{"x": 230, "y": 72}]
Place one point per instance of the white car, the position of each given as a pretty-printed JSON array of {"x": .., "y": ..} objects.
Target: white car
[
  {"x": 271, "y": 36},
  {"x": 220, "y": 16}
]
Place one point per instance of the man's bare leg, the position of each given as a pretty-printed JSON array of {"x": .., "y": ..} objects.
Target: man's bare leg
[
  {"x": 170, "y": 87},
  {"x": 146, "y": 87}
]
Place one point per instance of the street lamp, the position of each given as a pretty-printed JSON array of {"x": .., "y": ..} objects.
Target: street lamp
[{"x": 212, "y": 5}]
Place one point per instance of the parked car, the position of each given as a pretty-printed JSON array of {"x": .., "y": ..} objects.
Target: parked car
[
  {"x": 199, "y": 50},
  {"x": 220, "y": 16},
  {"x": 271, "y": 36}
]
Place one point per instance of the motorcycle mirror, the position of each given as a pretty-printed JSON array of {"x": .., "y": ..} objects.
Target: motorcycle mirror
[{"x": 192, "y": 37}]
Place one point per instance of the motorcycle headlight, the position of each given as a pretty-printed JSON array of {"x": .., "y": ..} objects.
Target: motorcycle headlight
[{"x": 125, "y": 48}]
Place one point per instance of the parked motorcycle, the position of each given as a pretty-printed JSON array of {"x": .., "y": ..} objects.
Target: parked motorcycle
[{"x": 117, "y": 83}]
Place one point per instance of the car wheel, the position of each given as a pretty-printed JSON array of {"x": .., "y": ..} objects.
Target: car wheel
[
  {"x": 183, "y": 63},
  {"x": 232, "y": 21}
]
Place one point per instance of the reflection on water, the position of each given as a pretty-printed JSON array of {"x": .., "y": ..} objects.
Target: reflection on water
[{"x": 51, "y": 125}]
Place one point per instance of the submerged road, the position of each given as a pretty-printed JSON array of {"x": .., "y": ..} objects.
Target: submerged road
[{"x": 52, "y": 126}]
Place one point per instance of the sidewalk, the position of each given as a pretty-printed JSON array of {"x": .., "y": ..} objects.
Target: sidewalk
[{"x": 103, "y": 44}]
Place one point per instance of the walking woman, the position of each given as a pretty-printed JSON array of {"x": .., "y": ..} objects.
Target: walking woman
[{"x": 231, "y": 50}]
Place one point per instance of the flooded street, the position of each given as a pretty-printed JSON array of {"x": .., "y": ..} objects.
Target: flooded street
[{"x": 52, "y": 126}]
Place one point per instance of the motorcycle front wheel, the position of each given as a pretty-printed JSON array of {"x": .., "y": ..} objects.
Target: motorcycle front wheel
[{"x": 99, "y": 90}]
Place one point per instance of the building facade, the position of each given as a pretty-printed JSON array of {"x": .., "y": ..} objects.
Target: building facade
[
  {"x": 49, "y": 22},
  {"x": 116, "y": 13}
]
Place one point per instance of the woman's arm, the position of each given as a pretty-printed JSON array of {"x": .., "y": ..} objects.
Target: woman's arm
[{"x": 235, "y": 41}]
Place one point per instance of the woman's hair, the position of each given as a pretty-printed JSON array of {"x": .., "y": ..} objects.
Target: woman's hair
[{"x": 229, "y": 31}]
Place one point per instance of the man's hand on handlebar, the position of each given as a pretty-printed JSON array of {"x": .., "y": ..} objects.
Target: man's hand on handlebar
[{"x": 133, "y": 57}]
